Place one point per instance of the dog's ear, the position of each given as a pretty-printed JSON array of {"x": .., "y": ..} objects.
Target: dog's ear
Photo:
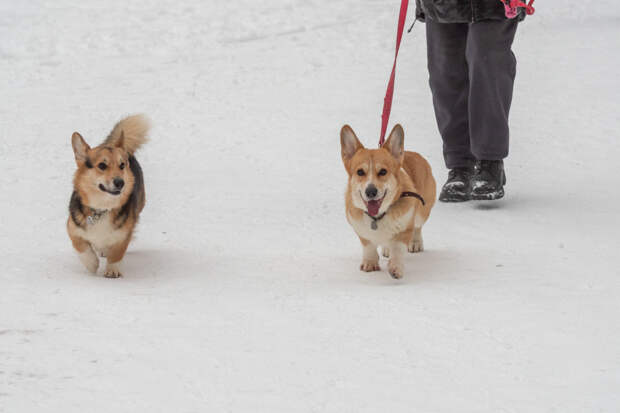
[
  {"x": 80, "y": 148},
  {"x": 349, "y": 144},
  {"x": 395, "y": 144}
]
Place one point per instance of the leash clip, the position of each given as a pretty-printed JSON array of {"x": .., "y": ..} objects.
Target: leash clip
[{"x": 412, "y": 24}]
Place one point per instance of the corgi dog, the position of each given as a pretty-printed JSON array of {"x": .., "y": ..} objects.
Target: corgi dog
[
  {"x": 108, "y": 195},
  {"x": 389, "y": 197}
]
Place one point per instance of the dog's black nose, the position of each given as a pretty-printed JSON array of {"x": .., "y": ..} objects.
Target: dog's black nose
[
  {"x": 371, "y": 191},
  {"x": 118, "y": 183}
]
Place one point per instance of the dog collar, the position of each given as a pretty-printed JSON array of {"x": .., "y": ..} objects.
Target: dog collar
[
  {"x": 373, "y": 224},
  {"x": 95, "y": 215}
]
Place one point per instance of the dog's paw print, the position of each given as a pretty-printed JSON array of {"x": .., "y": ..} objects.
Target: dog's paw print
[{"x": 369, "y": 266}]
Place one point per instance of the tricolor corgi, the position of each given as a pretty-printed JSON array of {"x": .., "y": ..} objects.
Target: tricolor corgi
[
  {"x": 389, "y": 197},
  {"x": 108, "y": 195}
]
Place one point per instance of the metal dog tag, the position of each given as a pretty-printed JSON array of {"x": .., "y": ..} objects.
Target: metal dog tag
[{"x": 373, "y": 225}]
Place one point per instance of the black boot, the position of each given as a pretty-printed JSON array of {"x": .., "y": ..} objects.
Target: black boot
[
  {"x": 488, "y": 182},
  {"x": 458, "y": 186}
]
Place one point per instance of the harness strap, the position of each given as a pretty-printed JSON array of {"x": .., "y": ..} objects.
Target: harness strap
[{"x": 414, "y": 195}]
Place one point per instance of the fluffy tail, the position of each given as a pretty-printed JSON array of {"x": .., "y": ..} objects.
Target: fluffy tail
[{"x": 129, "y": 133}]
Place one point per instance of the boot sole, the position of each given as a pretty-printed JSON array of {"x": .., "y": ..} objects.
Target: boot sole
[
  {"x": 492, "y": 196},
  {"x": 452, "y": 195},
  {"x": 454, "y": 199}
]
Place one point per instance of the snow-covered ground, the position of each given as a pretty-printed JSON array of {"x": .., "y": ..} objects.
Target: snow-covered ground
[{"x": 241, "y": 290}]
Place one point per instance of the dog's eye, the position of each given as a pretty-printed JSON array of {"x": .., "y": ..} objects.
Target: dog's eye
[
  {"x": 361, "y": 172},
  {"x": 102, "y": 166},
  {"x": 382, "y": 172},
  {"x": 122, "y": 165}
]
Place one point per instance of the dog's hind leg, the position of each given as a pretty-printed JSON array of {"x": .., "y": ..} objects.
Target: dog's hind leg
[
  {"x": 115, "y": 256},
  {"x": 417, "y": 243}
]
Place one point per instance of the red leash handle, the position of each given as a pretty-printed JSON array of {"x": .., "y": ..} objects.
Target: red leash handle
[
  {"x": 389, "y": 93},
  {"x": 529, "y": 7},
  {"x": 511, "y": 8}
]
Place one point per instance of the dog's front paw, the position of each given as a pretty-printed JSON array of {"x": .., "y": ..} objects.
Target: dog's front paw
[
  {"x": 385, "y": 252},
  {"x": 416, "y": 246},
  {"x": 90, "y": 260},
  {"x": 112, "y": 271},
  {"x": 369, "y": 266},
  {"x": 395, "y": 269}
]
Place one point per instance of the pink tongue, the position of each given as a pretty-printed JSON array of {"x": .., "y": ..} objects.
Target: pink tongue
[{"x": 373, "y": 207}]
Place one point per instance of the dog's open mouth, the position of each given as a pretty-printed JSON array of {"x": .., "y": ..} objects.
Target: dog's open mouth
[
  {"x": 104, "y": 189},
  {"x": 373, "y": 206}
]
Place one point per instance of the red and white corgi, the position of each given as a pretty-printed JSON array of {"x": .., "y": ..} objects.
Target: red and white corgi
[
  {"x": 389, "y": 197},
  {"x": 108, "y": 195}
]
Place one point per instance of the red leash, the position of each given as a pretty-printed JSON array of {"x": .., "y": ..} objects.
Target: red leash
[
  {"x": 387, "y": 101},
  {"x": 511, "y": 7}
]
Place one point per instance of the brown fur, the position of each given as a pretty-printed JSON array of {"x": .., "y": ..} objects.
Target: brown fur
[
  {"x": 404, "y": 171},
  {"x": 102, "y": 218}
]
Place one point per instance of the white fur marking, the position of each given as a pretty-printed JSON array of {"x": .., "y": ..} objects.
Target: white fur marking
[
  {"x": 395, "y": 265},
  {"x": 418, "y": 221},
  {"x": 370, "y": 253},
  {"x": 90, "y": 260},
  {"x": 387, "y": 227},
  {"x": 102, "y": 234}
]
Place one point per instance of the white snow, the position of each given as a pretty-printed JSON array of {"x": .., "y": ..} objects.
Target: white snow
[{"x": 242, "y": 290}]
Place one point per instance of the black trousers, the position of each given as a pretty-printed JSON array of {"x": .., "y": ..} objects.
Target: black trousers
[{"x": 472, "y": 70}]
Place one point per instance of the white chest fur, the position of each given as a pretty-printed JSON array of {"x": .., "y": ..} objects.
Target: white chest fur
[
  {"x": 387, "y": 227},
  {"x": 102, "y": 234}
]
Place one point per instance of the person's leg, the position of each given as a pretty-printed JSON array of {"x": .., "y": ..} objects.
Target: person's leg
[
  {"x": 492, "y": 67},
  {"x": 448, "y": 79}
]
